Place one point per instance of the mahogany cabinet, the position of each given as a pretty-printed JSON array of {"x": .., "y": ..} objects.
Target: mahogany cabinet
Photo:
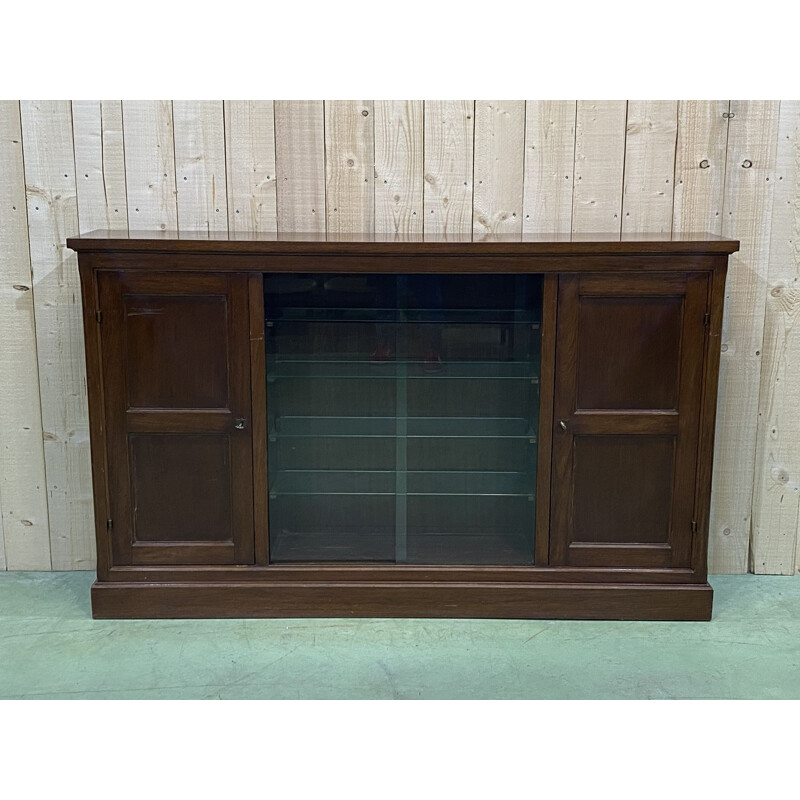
[{"x": 289, "y": 426}]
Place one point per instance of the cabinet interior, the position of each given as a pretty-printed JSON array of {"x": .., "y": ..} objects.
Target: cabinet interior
[{"x": 402, "y": 417}]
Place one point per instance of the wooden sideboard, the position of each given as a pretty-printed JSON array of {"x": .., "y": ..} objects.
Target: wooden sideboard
[{"x": 298, "y": 426}]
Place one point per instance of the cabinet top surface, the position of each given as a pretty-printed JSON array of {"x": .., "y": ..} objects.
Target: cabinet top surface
[{"x": 380, "y": 244}]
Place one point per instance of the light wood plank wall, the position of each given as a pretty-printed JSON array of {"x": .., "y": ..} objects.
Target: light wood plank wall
[{"x": 394, "y": 167}]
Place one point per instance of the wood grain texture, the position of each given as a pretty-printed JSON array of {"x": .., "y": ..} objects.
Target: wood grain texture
[
  {"x": 449, "y": 133},
  {"x": 399, "y": 130},
  {"x": 749, "y": 182},
  {"x": 549, "y": 166},
  {"x": 700, "y": 165},
  {"x": 24, "y": 527},
  {"x": 650, "y": 138},
  {"x": 176, "y": 377},
  {"x": 199, "y": 127},
  {"x": 404, "y": 573},
  {"x": 52, "y": 217},
  {"x": 250, "y": 153},
  {"x": 100, "y": 164},
  {"x": 628, "y": 382},
  {"x": 300, "y": 165},
  {"x": 499, "y": 167},
  {"x": 776, "y": 500},
  {"x": 425, "y": 599},
  {"x": 599, "y": 162},
  {"x": 127, "y": 150},
  {"x": 150, "y": 165},
  {"x": 349, "y": 166},
  {"x": 97, "y": 422}
]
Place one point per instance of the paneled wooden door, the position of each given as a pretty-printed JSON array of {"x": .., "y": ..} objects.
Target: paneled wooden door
[
  {"x": 176, "y": 364},
  {"x": 628, "y": 386}
]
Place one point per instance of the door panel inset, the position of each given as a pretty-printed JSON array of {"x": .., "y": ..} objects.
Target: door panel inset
[
  {"x": 169, "y": 365},
  {"x": 623, "y": 487},
  {"x": 167, "y": 507},
  {"x": 614, "y": 375}
]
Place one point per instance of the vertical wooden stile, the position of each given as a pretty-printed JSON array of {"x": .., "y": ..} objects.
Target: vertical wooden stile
[
  {"x": 24, "y": 526},
  {"x": 349, "y": 166},
  {"x": 499, "y": 167},
  {"x": 100, "y": 165},
  {"x": 150, "y": 165},
  {"x": 776, "y": 502},
  {"x": 250, "y": 166},
  {"x": 52, "y": 217},
  {"x": 300, "y": 165},
  {"x": 599, "y": 164},
  {"x": 749, "y": 182},
  {"x": 200, "y": 165},
  {"x": 449, "y": 147},
  {"x": 651, "y": 131},
  {"x": 549, "y": 166}
]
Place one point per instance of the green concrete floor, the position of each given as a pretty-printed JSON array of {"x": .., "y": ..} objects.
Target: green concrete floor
[{"x": 51, "y": 648}]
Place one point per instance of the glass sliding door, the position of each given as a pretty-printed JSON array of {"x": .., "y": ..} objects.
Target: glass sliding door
[{"x": 402, "y": 417}]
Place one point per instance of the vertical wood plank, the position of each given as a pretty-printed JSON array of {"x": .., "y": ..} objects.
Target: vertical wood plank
[
  {"x": 52, "y": 217},
  {"x": 449, "y": 145},
  {"x": 398, "y": 167},
  {"x": 700, "y": 158},
  {"x": 349, "y": 166},
  {"x": 599, "y": 163},
  {"x": 300, "y": 165},
  {"x": 650, "y": 138},
  {"x": 100, "y": 165},
  {"x": 2, "y": 534},
  {"x": 150, "y": 165},
  {"x": 24, "y": 527},
  {"x": 776, "y": 503},
  {"x": 749, "y": 182},
  {"x": 499, "y": 167},
  {"x": 549, "y": 166},
  {"x": 199, "y": 127},
  {"x": 250, "y": 153}
]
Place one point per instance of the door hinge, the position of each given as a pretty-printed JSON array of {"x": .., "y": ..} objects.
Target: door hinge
[
  {"x": 98, "y": 315},
  {"x": 694, "y": 526},
  {"x": 707, "y": 320},
  {"x": 109, "y": 524}
]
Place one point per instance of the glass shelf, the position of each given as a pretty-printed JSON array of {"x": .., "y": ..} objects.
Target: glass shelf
[
  {"x": 416, "y": 427},
  {"x": 307, "y": 367},
  {"x": 443, "y": 316},
  {"x": 344, "y": 545},
  {"x": 373, "y": 457},
  {"x": 502, "y": 548},
  {"x": 419, "y": 483}
]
